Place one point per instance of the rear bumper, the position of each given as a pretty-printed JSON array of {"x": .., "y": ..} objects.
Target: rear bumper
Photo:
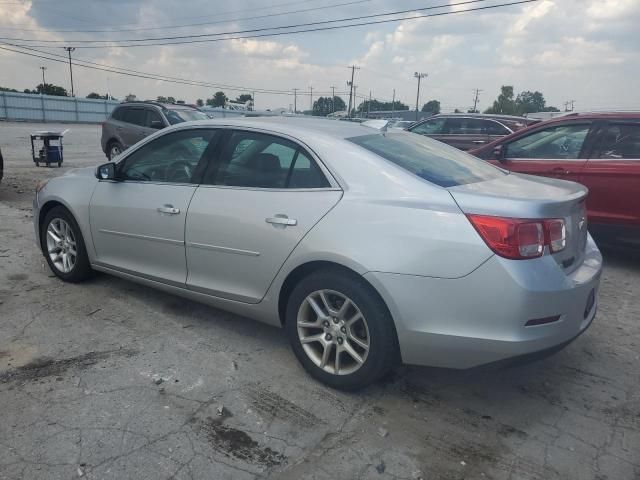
[{"x": 480, "y": 318}]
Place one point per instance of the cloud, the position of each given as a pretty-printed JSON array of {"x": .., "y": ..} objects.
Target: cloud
[{"x": 578, "y": 49}]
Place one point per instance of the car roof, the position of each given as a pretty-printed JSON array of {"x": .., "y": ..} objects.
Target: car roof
[
  {"x": 294, "y": 126},
  {"x": 168, "y": 106},
  {"x": 481, "y": 115}
]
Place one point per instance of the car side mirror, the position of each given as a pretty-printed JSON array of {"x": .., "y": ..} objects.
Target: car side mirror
[
  {"x": 499, "y": 153},
  {"x": 157, "y": 124},
  {"x": 106, "y": 171}
]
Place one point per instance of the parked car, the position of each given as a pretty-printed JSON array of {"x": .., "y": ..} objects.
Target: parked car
[
  {"x": 130, "y": 122},
  {"x": 468, "y": 131},
  {"x": 368, "y": 247},
  {"x": 600, "y": 151}
]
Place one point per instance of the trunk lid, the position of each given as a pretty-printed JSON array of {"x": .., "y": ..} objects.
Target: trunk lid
[{"x": 524, "y": 196}]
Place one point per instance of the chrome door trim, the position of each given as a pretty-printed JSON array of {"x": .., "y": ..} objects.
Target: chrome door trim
[
  {"x": 218, "y": 248},
  {"x": 142, "y": 237}
]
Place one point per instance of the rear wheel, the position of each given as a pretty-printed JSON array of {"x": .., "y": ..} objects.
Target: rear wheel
[
  {"x": 63, "y": 246},
  {"x": 340, "y": 330}
]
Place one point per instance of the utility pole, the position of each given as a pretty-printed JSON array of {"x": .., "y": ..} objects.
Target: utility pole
[
  {"x": 295, "y": 100},
  {"x": 333, "y": 98},
  {"x": 351, "y": 87},
  {"x": 393, "y": 103},
  {"x": 369, "y": 106},
  {"x": 475, "y": 100},
  {"x": 355, "y": 87},
  {"x": 311, "y": 98},
  {"x": 43, "y": 82},
  {"x": 566, "y": 105},
  {"x": 419, "y": 76},
  {"x": 70, "y": 49}
]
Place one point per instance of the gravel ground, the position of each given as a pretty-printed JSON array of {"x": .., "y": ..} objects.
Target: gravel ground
[{"x": 109, "y": 379}]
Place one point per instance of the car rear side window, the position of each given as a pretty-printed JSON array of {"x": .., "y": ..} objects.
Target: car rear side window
[
  {"x": 118, "y": 113},
  {"x": 433, "y": 161},
  {"x": 258, "y": 160},
  {"x": 135, "y": 116},
  {"x": 495, "y": 128},
  {"x": 618, "y": 142}
]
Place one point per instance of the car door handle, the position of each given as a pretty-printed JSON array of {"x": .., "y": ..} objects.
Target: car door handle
[
  {"x": 169, "y": 209},
  {"x": 479, "y": 141},
  {"x": 560, "y": 171},
  {"x": 281, "y": 219}
]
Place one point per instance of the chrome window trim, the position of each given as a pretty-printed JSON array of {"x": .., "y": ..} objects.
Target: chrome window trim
[{"x": 142, "y": 237}]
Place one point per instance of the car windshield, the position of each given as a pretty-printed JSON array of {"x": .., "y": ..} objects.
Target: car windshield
[
  {"x": 179, "y": 116},
  {"x": 428, "y": 159}
]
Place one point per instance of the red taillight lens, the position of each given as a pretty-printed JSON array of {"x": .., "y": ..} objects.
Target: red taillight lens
[
  {"x": 556, "y": 234},
  {"x": 518, "y": 238}
]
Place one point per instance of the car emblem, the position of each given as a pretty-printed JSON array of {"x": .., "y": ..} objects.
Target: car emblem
[{"x": 581, "y": 223}]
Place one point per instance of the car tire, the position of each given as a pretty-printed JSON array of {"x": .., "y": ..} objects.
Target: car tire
[
  {"x": 63, "y": 246},
  {"x": 376, "y": 330},
  {"x": 115, "y": 148}
]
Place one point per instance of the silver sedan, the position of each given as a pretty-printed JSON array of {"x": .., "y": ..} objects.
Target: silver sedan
[{"x": 369, "y": 247}]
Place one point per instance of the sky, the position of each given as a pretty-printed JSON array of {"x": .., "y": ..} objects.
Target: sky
[{"x": 582, "y": 50}]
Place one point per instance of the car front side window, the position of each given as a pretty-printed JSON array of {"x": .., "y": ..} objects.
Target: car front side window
[
  {"x": 558, "y": 142},
  {"x": 171, "y": 158},
  {"x": 430, "y": 127},
  {"x": 258, "y": 160}
]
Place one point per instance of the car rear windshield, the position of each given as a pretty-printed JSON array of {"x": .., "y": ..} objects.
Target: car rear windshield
[
  {"x": 428, "y": 159},
  {"x": 179, "y": 116}
]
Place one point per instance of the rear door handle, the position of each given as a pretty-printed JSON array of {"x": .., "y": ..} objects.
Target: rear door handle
[
  {"x": 169, "y": 209},
  {"x": 281, "y": 219}
]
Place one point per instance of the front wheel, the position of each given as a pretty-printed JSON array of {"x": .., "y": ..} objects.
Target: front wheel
[
  {"x": 63, "y": 246},
  {"x": 114, "y": 150},
  {"x": 340, "y": 330}
]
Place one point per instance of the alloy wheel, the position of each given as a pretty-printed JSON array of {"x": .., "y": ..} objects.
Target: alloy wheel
[
  {"x": 61, "y": 245},
  {"x": 333, "y": 332}
]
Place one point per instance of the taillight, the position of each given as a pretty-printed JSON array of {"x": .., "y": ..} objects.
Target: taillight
[
  {"x": 519, "y": 238},
  {"x": 556, "y": 234}
]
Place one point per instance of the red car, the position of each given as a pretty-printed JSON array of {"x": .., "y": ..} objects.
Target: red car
[{"x": 600, "y": 151}]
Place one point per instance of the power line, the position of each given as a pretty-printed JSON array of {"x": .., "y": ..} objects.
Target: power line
[
  {"x": 274, "y": 34},
  {"x": 256, "y": 17},
  {"x": 200, "y": 17}
]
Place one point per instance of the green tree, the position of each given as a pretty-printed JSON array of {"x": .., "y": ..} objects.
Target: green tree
[
  {"x": 504, "y": 104},
  {"x": 200, "y": 102},
  {"x": 3, "y": 89},
  {"x": 323, "y": 106},
  {"x": 551, "y": 109},
  {"x": 377, "y": 106},
  {"x": 219, "y": 99},
  {"x": 162, "y": 99},
  {"x": 171, "y": 100},
  {"x": 432, "y": 106},
  {"x": 530, "y": 102},
  {"x": 50, "y": 89},
  {"x": 97, "y": 96},
  {"x": 244, "y": 98}
]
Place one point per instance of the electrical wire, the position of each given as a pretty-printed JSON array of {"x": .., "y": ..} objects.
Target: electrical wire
[
  {"x": 165, "y": 27},
  {"x": 199, "y": 39}
]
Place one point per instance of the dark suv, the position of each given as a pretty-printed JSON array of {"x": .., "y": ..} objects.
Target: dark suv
[
  {"x": 469, "y": 131},
  {"x": 130, "y": 122}
]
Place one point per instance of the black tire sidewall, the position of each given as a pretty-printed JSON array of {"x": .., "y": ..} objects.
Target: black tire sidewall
[
  {"x": 82, "y": 268},
  {"x": 382, "y": 350}
]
